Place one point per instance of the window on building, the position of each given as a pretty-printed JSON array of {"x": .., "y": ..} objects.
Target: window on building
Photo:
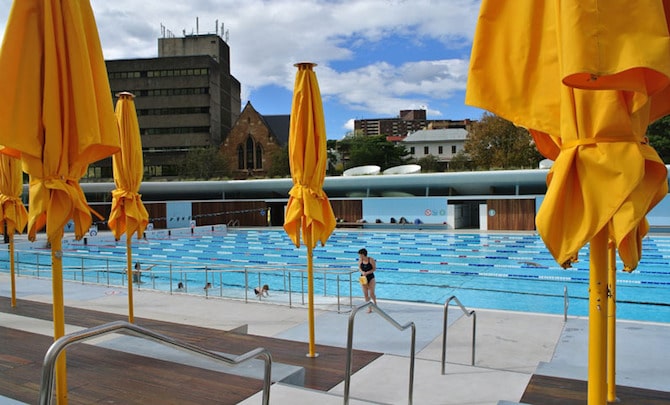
[
  {"x": 425, "y": 150},
  {"x": 411, "y": 150},
  {"x": 250, "y": 153},
  {"x": 453, "y": 149},
  {"x": 440, "y": 150},
  {"x": 259, "y": 156}
]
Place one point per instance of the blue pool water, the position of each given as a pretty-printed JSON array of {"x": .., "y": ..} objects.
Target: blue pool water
[{"x": 483, "y": 270}]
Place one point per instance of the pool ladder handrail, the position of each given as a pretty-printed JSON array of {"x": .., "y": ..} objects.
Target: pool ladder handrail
[
  {"x": 472, "y": 314},
  {"x": 350, "y": 338},
  {"x": 48, "y": 372}
]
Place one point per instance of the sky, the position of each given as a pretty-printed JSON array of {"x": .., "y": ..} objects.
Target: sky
[{"x": 374, "y": 57}]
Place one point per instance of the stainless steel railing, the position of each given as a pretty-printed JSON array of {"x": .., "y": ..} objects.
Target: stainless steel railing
[
  {"x": 350, "y": 339},
  {"x": 233, "y": 281},
  {"x": 444, "y": 329},
  {"x": 46, "y": 388},
  {"x": 566, "y": 303}
]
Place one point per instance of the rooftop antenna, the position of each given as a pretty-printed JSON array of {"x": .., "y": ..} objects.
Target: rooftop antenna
[
  {"x": 197, "y": 26},
  {"x": 226, "y": 36},
  {"x": 216, "y": 27}
]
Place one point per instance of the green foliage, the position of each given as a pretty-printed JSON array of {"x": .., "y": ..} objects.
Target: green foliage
[
  {"x": 494, "y": 142},
  {"x": 658, "y": 133},
  {"x": 280, "y": 166},
  {"x": 204, "y": 163},
  {"x": 460, "y": 162},
  {"x": 372, "y": 150},
  {"x": 429, "y": 164}
]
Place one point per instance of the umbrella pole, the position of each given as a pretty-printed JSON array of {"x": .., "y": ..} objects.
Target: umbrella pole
[
  {"x": 310, "y": 299},
  {"x": 11, "y": 268},
  {"x": 59, "y": 316},
  {"x": 129, "y": 256},
  {"x": 611, "y": 326},
  {"x": 597, "y": 359}
]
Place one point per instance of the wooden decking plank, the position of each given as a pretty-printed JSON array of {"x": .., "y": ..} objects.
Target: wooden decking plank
[
  {"x": 321, "y": 373},
  {"x": 98, "y": 375},
  {"x": 564, "y": 391}
]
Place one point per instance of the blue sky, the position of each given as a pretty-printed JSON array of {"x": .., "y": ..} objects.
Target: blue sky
[{"x": 375, "y": 57}]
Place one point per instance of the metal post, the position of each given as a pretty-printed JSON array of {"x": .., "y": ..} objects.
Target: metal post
[
  {"x": 611, "y": 324},
  {"x": 566, "y": 303},
  {"x": 246, "y": 285},
  {"x": 170, "y": 274},
  {"x": 290, "y": 302},
  {"x": 302, "y": 286},
  {"x": 338, "y": 293},
  {"x": 597, "y": 356}
]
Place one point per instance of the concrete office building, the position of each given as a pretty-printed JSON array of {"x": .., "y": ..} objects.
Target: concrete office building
[
  {"x": 408, "y": 121},
  {"x": 185, "y": 98}
]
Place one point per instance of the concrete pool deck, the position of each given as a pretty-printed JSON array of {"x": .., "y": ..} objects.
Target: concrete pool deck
[{"x": 510, "y": 346}]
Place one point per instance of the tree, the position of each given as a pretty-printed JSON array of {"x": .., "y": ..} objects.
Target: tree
[
  {"x": 204, "y": 163},
  {"x": 460, "y": 162},
  {"x": 280, "y": 166},
  {"x": 658, "y": 133},
  {"x": 429, "y": 164},
  {"x": 494, "y": 142},
  {"x": 372, "y": 150}
]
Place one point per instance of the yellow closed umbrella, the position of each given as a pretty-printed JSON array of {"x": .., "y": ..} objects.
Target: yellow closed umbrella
[
  {"x": 308, "y": 211},
  {"x": 13, "y": 215},
  {"x": 128, "y": 214},
  {"x": 586, "y": 77},
  {"x": 57, "y": 115}
]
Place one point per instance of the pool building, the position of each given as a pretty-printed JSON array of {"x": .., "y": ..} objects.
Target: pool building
[{"x": 503, "y": 200}]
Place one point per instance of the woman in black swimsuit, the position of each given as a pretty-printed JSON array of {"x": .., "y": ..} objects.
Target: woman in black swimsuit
[{"x": 367, "y": 267}]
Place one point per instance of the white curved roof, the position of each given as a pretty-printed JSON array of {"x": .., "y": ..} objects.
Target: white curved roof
[
  {"x": 404, "y": 169},
  {"x": 546, "y": 164},
  {"x": 362, "y": 170}
]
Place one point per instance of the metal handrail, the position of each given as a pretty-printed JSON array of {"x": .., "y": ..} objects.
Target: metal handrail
[
  {"x": 165, "y": 274},
  {"x": 444, "y": 329},
  {"x": 350, "y": 338},
  {"x": 566, "y": 303},
  {"x": 46, "y": 387}
]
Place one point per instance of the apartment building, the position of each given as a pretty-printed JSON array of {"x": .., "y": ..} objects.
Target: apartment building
[{"x": 406, "y": 122}]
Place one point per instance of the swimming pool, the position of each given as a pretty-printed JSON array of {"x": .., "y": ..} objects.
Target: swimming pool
[{"x": 507, "y": 271}]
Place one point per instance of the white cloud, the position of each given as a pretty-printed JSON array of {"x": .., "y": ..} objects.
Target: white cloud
[{"x": 347, "y": 38}]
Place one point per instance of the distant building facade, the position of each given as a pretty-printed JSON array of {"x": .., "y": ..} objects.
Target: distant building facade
[
  {"x": 185, "y": 98},
  {"x": 407, "y": 122},
  {"x": 252, "y": 142},
  {"x": 443, "y": 144}
]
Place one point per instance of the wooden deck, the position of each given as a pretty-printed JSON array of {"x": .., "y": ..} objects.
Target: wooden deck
[
  {"x": 563, "y": 391},
  {"x": 98, "y": 375}
]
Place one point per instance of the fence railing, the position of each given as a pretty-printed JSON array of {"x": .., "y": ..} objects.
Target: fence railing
[{"x": 288, "y": 283}]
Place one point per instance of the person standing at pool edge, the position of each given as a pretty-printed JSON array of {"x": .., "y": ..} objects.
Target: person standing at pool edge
[{"x": 367, "y": 266}]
